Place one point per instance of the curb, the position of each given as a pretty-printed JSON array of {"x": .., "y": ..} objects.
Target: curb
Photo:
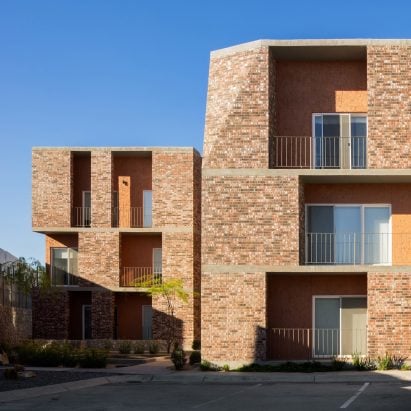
[{"x": 210, "y": 378}]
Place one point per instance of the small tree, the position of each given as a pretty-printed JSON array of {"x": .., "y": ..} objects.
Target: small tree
[{"x": 170, "y": 291}]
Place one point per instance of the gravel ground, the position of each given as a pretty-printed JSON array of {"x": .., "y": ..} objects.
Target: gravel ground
[{"x": 47, "y": 378}]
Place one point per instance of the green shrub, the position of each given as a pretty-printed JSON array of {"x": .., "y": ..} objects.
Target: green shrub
[
  {"x": 384, "y": 363},
  {"x": 398, "y": 362},
  {"x": 196, "y": 345},
  {"x": 226, "y": 367},
  {"x": 338, "y": 364},
  {"x": 195, "y": 357},
  {"x": 361, "y": 363},
  {"x": 139, "y": 348},
  {"x": 93, "y": 358},
  {"x": 208, "y": 366},
  {"x": 178, "y": 357},
  {"x": 125, "y": 347},
  {"x": 153, "y": 348}
]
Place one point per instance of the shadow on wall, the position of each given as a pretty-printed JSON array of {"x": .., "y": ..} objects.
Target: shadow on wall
[
  {"x": 168, "y": 328},
  {"x": 260, "y": 344}
]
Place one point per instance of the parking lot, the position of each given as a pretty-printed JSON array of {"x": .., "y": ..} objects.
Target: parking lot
[{"x": 251, "y": 396}]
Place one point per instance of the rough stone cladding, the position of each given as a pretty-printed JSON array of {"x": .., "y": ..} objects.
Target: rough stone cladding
[
  {"x": 389, "y": 106},
  {"x": 237, "y": 115},
  {"x": 178, "y": 262},
  {"x": 51, "y": 188},
  {"x": 173, "y": 188},
  {"x": 99, "y": 258},
  {"x": 251, "y": 220},
  {"x": 233, "y": 320},
  {"x": 389, "y": 313},
  {"x": 101, "y": 188},
  {"x": 102, "y": 314},
  {"x": 50, "y": 309}
]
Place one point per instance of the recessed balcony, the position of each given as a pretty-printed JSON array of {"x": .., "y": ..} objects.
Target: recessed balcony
[{"x": 306, "y": 152}]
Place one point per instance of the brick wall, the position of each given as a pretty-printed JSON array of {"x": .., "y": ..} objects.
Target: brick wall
[
  {"x": 50, "y": 310},
  {"x": 15, "y": 324},
  {"x": 233, "y": 317},
  {"x": 236, "y": 129},
  {"x": 178, "y": 262},
  {"x": 102, "y": 314},
  {"x": 389, "y": 313},
  {"x": 250, "y": 220},
  {"x": 173, "y": 183},
  {"x": 389, "y": 106},
  {"x": 51, "y": 188},
  {"x": 101, "y": 188},
  {"x": 98, "y": 258}
]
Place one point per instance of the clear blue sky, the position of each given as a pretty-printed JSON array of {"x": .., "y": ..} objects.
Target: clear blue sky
[{"x": 122, "y": 72}]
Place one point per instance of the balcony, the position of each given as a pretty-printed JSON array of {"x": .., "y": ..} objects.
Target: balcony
[
  {"x": 306, "y": 152},
  {"x": 356, "y": 248},
  {"x": 136, "y": 276},
  {"x": 314, "y": 343},
  {"x": 81, "y": 217}
]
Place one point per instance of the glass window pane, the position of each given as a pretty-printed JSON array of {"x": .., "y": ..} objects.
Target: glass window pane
[
  {"x": 377, "y": 235},
  {"x": 327, "y": 326},
  {"x": 358, "y": 141},
  {"x": 320, "y": 237},
  {"x": 148, "y": 205},
  {"x": 347, "y": 224}
]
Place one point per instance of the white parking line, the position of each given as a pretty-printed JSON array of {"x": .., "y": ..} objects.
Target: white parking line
[
  {"x": 355, "y": 396},
  {"x": 225, "y": 396}
]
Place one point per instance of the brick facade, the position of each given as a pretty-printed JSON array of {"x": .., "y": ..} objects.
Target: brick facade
[
  {"x": 51, "y": 193},
  {"x": 389, "y": 313},
  {"x": 389, "y": 106},
  {"x": 102, "y": 314}
]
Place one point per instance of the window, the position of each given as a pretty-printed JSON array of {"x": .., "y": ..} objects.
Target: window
[
  {"x": 340, "y": 325},
  {"x": 348, "y": 234},
  {"x": 157, "y": 263},
  {"x": 340, "y": 140},
  {"x": 64, "y": 266},
  {"x": 147, "y": 208},
  {"x": 86, "y": 214}
]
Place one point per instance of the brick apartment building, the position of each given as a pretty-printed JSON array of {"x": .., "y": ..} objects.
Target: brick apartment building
[
  {"x": 305, "y": 212},
  {"x": 112, "y": 217},
  {"x": 306, "y": 205}
]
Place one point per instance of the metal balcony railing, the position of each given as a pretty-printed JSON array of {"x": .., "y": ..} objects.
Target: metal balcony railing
[
  {"x": 134, "y": 217},
  {"x": 81, "y": 216},
  {"x": 319, "y": 152},
  {"x": 135, "y": 276},
  {"x": 309, "y": 343},
  {"x": 357, "y": 248}
]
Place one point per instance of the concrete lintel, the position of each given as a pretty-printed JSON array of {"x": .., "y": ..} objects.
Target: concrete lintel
[
  {"x": 309, "y": 43},
  {"x": 151, "y": 230},
  {"x": 304, "y": 269},
  {"x": 341, "y": 176},
  {"x": 119, "y": 149}
]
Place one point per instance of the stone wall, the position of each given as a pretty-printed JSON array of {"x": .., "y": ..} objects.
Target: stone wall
[{"x": 15, "y": 324}]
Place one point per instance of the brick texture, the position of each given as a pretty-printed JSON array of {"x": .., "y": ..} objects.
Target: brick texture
[
  {"x": 98, "y": 258},
  {"x": 250, "y": 220},
  {"x": 102, "y": 314},
  {"x": 173, "y": 184},
  {"x": 389, "y": 313},
  {"x": 101, "y": 188},
  {"x": 389, "y": 106},
  {"x": 50, "y": 310},
  {"x": 233, "y": 321},
  {"x": 51, "y": 188},
  {"x": 237, "y": 118}
]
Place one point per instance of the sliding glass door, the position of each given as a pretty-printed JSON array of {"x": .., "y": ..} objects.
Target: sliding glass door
[
  {"x": 340, "y": 140},
  {"x": 348, "y": 234}
]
